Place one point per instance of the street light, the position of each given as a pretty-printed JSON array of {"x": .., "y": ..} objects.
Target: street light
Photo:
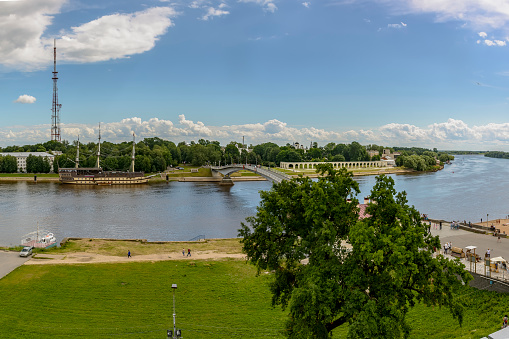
[
  {"x": 173, "y": 334},
  {"x": 487, "y": 223}
]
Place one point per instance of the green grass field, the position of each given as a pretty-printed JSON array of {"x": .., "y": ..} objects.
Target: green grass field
[
  {"x": 221, "y": 299},
  {"x": 215, "y": 299}
]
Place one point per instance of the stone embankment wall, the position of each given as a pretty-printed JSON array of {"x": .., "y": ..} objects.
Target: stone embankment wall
[{"x": 482, "y": 282}]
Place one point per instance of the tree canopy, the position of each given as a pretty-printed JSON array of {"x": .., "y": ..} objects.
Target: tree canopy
[{"x": 332, "y": 268}]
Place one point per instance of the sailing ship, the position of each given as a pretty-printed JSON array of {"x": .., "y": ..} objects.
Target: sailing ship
[
  {"x": 97, "y": 176},
  {"x": 39, "y": 239}
]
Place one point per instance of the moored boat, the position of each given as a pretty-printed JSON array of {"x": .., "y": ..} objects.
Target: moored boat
[
  {"x": 39, "y": 239},
  {"x": 97, "y": 176}
]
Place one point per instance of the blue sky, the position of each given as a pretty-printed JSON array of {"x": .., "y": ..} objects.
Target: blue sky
[{"x": 430, "y": 73}]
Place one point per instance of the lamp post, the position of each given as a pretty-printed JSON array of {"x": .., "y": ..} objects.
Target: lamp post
[
  {"x": 174, "y": 287},
  {"x": 487, "y": 223}
]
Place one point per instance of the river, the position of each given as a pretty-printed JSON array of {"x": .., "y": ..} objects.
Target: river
[{"x": 468, "y": 189}]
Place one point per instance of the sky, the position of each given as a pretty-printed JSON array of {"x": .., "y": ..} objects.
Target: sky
[{"x": 425, "y": 73}]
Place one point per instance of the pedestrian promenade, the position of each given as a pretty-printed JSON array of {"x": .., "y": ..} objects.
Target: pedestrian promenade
[{"x": 461, "y": 238}]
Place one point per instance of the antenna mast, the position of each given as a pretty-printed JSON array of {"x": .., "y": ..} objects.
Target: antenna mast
[
  {"x": 78, "y": 153},
  {"x": 132, "y": 157},
  {"x": 55, "y": 110},
  {"x": 99, "y": 148}
]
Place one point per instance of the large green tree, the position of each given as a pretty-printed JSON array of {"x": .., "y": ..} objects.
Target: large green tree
[
  {"x": 302, "y": 230},
  {"x": 9, "y": 164}
]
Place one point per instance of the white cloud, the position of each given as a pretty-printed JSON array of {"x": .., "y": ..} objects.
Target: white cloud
[
  {"x": 306, "y": 4},
  {"x": 398, "y": 26},
  {"x": 116, "y": 36},
  {"x": 212, "y": 12},
  {"x": 483, "y": 35},
  {"x": 23, "y": 24},
  {"x": 452, "y": 134},
  {"x": 25, "y": 99},
  {"x": 268, "y": 5},
  {"x": 499, "y": 43},
  {"x": 478, "y": 14},
  {"x": 198, "y": 128}
]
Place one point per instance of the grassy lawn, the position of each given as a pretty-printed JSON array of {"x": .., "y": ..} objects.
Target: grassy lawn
[
  {"x": 214, "y": 299},
  {"x": 220, "y": 299},
  {"x": 483, "y": 315},
  {"x": 120, "y": 247},
  {"x": 186, "y": 172}
]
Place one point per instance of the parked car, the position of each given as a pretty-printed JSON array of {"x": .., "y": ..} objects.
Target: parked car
[
  {"x": 26, "y": 251},
  {"x": 180, "y": 168}
]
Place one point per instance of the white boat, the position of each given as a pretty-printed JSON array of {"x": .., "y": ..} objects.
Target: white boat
[{"x": 39, "y": 239}]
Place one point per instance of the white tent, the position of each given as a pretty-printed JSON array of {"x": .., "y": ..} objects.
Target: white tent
[{"x": 498, "y": 259}]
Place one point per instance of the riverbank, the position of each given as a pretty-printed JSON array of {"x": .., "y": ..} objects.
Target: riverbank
[
  {"x": 93, "y": 250},
  {"x": 191, "y": 177},
  {"x": 29, "y": 179}
]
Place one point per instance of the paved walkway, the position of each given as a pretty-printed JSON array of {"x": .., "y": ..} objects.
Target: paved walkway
[
  {"x": 461, "y": 238},
  {"x": 9, "y": 261}
]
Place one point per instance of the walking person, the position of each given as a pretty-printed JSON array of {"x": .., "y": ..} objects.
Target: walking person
[
  {"x": 504, "y": 321},
  {"x": 128, "y": 253},
  {"x": 183, "y": 252},
  {"x": 188, "y": 252}
]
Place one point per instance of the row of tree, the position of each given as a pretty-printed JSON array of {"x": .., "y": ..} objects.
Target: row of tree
[
  {"x": 8, "y": 164},
  {"x": 155, "y": 154},
  {"x": 425, "y": 161},
  {"x": 497, "y": 154}
]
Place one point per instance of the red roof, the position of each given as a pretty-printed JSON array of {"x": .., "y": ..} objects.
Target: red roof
[{"x": 362, "y": 211}]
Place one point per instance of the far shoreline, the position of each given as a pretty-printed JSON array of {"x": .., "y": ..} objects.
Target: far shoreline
[{"x": 295, "y": 174}]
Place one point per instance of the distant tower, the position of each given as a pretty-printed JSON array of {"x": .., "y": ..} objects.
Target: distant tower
[
  {"x": 97, "y": 164},
  {"x": 78, "y": 153},
  {"x": 132, "y": 157},
  {"x": 55, "y": 110}
]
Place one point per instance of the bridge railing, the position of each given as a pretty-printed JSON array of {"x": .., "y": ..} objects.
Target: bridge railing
[{"x": 263, "y": 171}]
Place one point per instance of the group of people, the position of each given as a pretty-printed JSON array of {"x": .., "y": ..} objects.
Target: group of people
[
  {"x": 183, "y": 252},
  {"x": 455, "y": 225}
]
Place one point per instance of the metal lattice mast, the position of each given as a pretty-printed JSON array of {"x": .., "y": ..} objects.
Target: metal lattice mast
[
  {"x": 55, "y": 115},
  {"x": 97, "y": 164}
]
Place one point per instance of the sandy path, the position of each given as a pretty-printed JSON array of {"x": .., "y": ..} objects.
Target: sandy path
[{"x": 93, "y": 258}]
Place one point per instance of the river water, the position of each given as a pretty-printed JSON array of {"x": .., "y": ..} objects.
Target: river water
[{"x": 468, "y": 189}]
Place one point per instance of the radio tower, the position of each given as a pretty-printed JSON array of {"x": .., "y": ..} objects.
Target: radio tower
[{"x": 55, "y": 110}]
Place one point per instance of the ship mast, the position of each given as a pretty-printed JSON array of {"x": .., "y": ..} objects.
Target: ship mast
[
  {"x": 132, "y": 157},
  {"x": 78, "y": 153},
  {"x": 99, "y": 148}
]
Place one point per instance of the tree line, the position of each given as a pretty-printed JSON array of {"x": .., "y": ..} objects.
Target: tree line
[
  {"x": 156, "y": 154},
  {"x": 497, "y": 154}
]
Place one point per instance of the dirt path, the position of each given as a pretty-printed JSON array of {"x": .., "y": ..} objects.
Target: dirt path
[{"x": 94, "y": 258}]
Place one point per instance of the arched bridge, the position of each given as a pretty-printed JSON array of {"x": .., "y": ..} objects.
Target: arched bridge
[{"x": 267, "y": 173}]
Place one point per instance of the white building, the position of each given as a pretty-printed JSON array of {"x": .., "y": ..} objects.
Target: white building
[{"x": 21, "y": 158}]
